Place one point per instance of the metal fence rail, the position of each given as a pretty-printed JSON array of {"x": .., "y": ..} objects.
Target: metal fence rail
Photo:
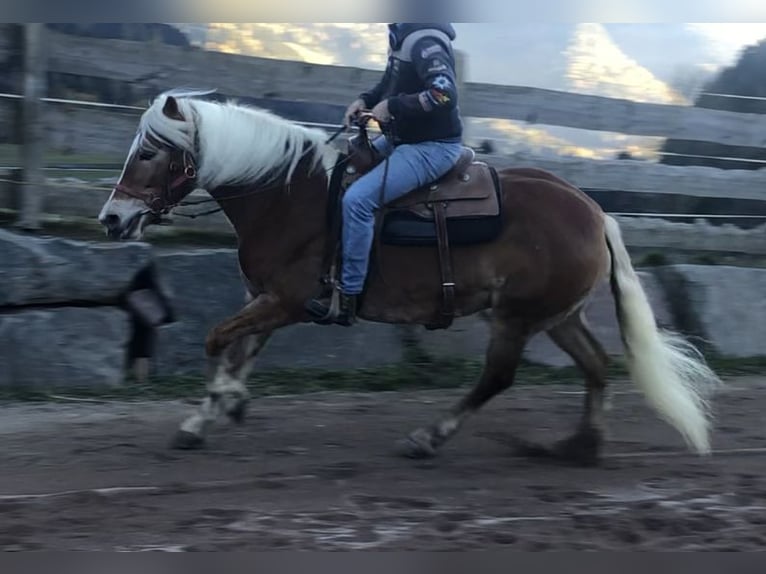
[{"x": 116, "y": 167}]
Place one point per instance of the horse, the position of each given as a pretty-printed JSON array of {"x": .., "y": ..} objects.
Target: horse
[{"x": 272, "y": 178}]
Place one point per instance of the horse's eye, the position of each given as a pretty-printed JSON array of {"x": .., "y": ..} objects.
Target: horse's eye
[{"x": 145, "y": 155}]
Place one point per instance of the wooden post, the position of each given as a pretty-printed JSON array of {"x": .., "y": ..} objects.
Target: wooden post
[
  {"x": 32, "y": 131},
  {"x": 461, "y": 61}
]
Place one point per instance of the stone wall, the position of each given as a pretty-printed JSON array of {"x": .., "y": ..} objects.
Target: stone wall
[
  {"x": 77, "y": 314},
  {"x": 63, "y": 314},
  {"x": 724, "y": 307},
  {"x": 205, "y": 288}
]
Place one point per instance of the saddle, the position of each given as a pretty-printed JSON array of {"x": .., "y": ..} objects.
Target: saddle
[
  {"x": 462, "y": 207},
  {"x": 467, "y": 197}
]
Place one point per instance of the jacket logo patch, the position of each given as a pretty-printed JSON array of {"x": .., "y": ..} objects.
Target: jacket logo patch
[
  {"x": 438, "y": 91},
  {"x": 430, "y": 51},
  {"x": 439, "y": 97},
  {"x": 441, "y": 83},
  {"x": 437, "y": 66}
]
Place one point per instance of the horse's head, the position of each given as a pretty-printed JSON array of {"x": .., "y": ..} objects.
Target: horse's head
[{"x": 159, "y": 171}]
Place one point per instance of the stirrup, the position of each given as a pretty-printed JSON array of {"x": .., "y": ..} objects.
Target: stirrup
[{"x": 333, "y": 310}]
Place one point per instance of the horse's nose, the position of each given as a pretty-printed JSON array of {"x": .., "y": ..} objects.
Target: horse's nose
[{"x": 112, "y": 223}]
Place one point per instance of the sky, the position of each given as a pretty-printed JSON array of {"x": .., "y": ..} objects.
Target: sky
[
  {"x": 365, "y": 44},
  {"x": 659, "y": 63}
]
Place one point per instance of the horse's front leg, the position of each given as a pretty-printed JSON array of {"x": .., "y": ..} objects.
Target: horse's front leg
[
  {"x": 262, "y": 315},
  {"x": 227, "y": 392}
]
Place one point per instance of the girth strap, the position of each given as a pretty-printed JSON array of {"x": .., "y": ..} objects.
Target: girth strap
[
  {"x": 445, "y": 264},
  {"x": 334, "y": 220}
]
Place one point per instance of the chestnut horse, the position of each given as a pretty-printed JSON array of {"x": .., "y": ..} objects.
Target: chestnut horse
[{"x": 271, "y": 178}]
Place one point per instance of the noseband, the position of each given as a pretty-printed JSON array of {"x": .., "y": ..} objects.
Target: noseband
[{"x": 160, "y": 203}]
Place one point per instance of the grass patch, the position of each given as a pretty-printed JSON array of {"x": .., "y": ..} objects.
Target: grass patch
[
  {"x": 406, "y": 376},
  {"x": 423, "y": 375},
  {"x": 737, "y": 367},
  {"x": 653, "y": 259}
]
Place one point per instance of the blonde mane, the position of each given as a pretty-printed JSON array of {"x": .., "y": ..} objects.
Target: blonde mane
[{"x": 234, "y": 143}]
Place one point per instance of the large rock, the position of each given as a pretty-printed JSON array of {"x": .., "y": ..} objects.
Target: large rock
[
  {"x": 36, "y": 271},
  {"x": 723, "y": 305},
  {"x": 333, "y": 347},
  {"x": 602, "y": 321},
  {"x": 469, "y": 336},
  {"x": 63, "y": 347},
  {"x": 204, "y": 287}
]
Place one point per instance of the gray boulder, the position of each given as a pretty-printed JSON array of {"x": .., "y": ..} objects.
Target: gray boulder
[
  {"x": 35, "y": 271},
  {"x": 469, "y": 336},
  {"x": 724, "y": 306},
  {"x": 602, "y": 321},
  {"x": 333, "y": 347},
  {"x": 203, "y": 287},
  {"x": 63, "y": 347}
]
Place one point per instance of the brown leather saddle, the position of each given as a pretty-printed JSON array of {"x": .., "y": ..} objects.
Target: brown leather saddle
[
  {"x": 467, "y": 196},
  {"x": 462, "y": 207}
]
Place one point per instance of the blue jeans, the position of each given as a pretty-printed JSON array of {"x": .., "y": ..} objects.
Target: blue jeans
[{"x": 409, "y": 167}]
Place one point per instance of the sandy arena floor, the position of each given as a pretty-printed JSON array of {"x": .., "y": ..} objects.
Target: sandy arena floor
[{"x": 319, "y": 472}]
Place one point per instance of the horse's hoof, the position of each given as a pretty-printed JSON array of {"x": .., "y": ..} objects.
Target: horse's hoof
[
  {"x": 185, "y": 440},
  {"x": 417, "y": 445}
]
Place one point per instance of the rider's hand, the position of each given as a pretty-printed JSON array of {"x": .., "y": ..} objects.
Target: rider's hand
[
  {"x": 356, "y": 106},
  {"x": 380, "y": 112}
]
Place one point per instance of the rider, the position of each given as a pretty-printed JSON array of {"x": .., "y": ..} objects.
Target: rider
[{"x": 417, "y": 99}]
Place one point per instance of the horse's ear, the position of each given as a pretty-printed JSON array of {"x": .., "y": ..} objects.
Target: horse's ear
[{"x": 170, "y": 109}]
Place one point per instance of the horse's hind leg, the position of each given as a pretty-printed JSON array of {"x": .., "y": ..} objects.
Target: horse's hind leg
[
  {"x": 575, "y": 339},
  {"x": 227, "y": 392},
  {"x": 502, "y": 359}
]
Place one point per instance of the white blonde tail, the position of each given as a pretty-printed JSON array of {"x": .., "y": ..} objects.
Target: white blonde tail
[{"x": 668, "y": 369}]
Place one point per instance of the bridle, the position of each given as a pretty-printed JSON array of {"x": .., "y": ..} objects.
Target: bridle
[{"x": 175, "y": 188}]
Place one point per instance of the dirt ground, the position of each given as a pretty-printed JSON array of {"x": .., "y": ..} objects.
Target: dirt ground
[{"x": 319, "y": 472}]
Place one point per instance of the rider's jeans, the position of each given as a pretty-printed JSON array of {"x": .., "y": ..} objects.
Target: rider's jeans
[{"x": 409, "y": 167}]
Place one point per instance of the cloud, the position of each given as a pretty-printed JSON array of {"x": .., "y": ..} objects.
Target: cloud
[
  {"x": 362, "y": 45},
  {"x": 512, "y": 137},
  {"x": 598, "y": 66},
  {"x": 585, "y": 58}
]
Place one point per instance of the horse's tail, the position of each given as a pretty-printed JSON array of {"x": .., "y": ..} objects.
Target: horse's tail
[{"x": 669, "y": 370}]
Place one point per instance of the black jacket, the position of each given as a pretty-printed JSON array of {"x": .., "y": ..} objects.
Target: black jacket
[{"x": 419, "y": 83}]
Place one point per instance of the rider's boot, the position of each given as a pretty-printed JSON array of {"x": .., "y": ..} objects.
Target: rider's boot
[{"x": 322, "y": 311}]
